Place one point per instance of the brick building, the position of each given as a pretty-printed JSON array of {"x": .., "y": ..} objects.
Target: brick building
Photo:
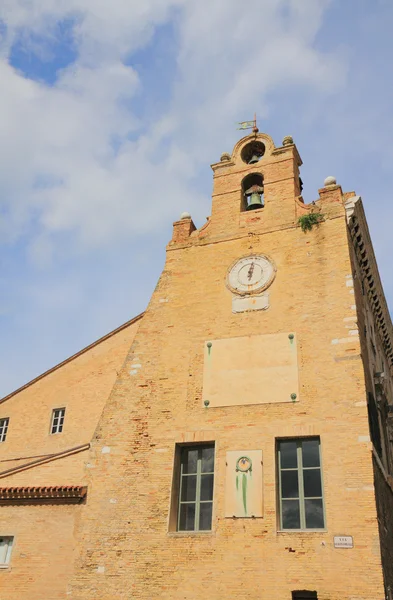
[{"x": 235, "y": 440}]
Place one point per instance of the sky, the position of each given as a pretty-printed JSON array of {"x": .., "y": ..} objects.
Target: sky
[{"x": 111, "y": 114}]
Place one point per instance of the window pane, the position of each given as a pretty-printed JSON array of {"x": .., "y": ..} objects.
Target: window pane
[
  {"x": 290, "y": 514},
  {"x": 205, "y": 515},
  {"x": 3, "y": 429},
  {"x": 3, "y": 550},
  {"x": 188, "y": 488},
  {"x": 312, "y": 483},
  {"x": 207, "y": 487},
  {"x": 314, "y": 514},
  {"x": 187, "y": 517},
  {"x": 190, "y": 460},
  {"x": 288, "y": 455},
  {"x": 310, "y": 450},
  {"x": 207, "y": 460},
  {"x": 289, "y": 484}
]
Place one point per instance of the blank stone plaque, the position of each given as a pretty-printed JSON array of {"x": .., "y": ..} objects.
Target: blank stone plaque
[{"x": 258, "y": 369}]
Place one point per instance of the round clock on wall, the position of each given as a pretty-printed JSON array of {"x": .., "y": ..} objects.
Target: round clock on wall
[{"x": 250, "y": 275}]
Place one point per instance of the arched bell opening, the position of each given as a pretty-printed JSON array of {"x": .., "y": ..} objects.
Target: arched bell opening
[
  {"x": 253, "y": 152},
  {"x": 252, "y": 192}
]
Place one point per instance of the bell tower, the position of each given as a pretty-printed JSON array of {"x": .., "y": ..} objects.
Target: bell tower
[
  {"x": 259, "y": 176},
  {"x": 233, "y": 454}
]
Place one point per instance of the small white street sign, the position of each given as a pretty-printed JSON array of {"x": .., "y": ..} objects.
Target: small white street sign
[{"x": 343, "y": 541}]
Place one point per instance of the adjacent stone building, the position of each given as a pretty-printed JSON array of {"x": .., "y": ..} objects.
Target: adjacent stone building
[
  {"x": 42, "y": 481},
  {"x": 235, "y": 440}
]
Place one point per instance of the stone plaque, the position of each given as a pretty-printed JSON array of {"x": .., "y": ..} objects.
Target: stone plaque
[
  {"x": 246, "y": 303},
  {"x": 343, "y": 541},
  {"x": 257, "y": 369}
]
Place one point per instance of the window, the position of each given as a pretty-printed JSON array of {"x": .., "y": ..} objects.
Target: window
[
  {"x": 5, "y": 550},
  {"x": 304, "y": 595},
  {"x": 3, "y": 429},
  {"x": 300, "y": 484},
  {"x": 373, "y": 421},
  {"x": 196, "y": 488},
  {"x": 57, "y": 420}
]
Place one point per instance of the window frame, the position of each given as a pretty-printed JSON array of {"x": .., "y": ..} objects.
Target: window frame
[
  {"x": 300, "y": 469},
  {"x": 4, "y": 423},
  {"x": 177, "y": 502},
  {"x": 60, "y": 420},
  {"x": 10, "y": 539}
]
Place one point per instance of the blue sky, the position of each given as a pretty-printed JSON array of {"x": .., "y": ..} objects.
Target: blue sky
[{"x": 112, "y": 112}]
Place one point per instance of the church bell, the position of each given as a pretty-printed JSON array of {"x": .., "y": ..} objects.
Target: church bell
[
  {"x": 254, "y": 159},
  {"x": 254, "y": 197}
]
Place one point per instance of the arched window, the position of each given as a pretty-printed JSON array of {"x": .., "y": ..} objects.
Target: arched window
[{"x": 252, "y": 192}]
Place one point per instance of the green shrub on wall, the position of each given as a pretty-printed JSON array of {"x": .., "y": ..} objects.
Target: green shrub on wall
[{"x": 307, "y": 222}]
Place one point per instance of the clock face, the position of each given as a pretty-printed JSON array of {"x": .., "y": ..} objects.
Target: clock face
[{"x": 250, "y": 274}]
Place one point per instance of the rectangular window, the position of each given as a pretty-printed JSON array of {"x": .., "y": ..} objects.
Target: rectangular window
[
  {"x": 304, "y": 595},
  {"x": 196, "y": 488},
  {"x": 373, "y": 420},
  {"x": 300, "y": 484},
  {"x": 5, "y": 550},
  {"x": 57, "y": 420},
  {"x": 3, "y": 429}
]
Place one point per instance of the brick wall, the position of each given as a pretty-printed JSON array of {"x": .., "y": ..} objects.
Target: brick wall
[
  {"x": 384, "y": 494},
  {"x": 124, "y": 546},
  {"x": 44, "y": 535}
]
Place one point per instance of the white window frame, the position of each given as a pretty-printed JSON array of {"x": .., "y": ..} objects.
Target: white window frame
[
  {"x": 8, "y": 541},
  {"x": 57, "y": 421},
  {"x": 4, "y": 428},
  {"x": 299, "y": 469}
]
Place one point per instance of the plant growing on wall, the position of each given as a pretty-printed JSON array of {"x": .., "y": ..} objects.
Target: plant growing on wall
[{"x": 307, "y": 222}]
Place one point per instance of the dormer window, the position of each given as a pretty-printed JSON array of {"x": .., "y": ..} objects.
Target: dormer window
[{"x": 252, "y": 192}]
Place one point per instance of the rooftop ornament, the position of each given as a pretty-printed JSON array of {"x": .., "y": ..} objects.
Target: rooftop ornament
[
  {"x": 287, "y": 141},
  {"x": 330, "y": 181}
]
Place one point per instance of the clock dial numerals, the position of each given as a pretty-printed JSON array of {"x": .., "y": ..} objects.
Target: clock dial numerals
[{"x": 250, "y": 275}]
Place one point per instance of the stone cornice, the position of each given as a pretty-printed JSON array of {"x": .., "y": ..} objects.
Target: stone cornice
[
  {"x": 59, "y": 494},
  {"x": 364, "y": 251}
]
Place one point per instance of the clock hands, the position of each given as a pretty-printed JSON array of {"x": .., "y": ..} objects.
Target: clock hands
[
  {"x": 250, "y": 271},
  {"x": 250, "y": 274}
]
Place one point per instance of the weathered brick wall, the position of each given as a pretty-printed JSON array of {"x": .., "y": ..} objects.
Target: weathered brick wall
[
  {"x": 384, "y": 494},
  {"x": 125, "y": 549},
  {"x": 44, "y": 536},
  {"x": 373, "y": 326},
  {"x": 43, "y": 551}
]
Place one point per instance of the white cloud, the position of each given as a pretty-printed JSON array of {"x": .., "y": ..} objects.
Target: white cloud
[
  {"x": 79, "y": 171},
  {"x": 59, "y": 167}
]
